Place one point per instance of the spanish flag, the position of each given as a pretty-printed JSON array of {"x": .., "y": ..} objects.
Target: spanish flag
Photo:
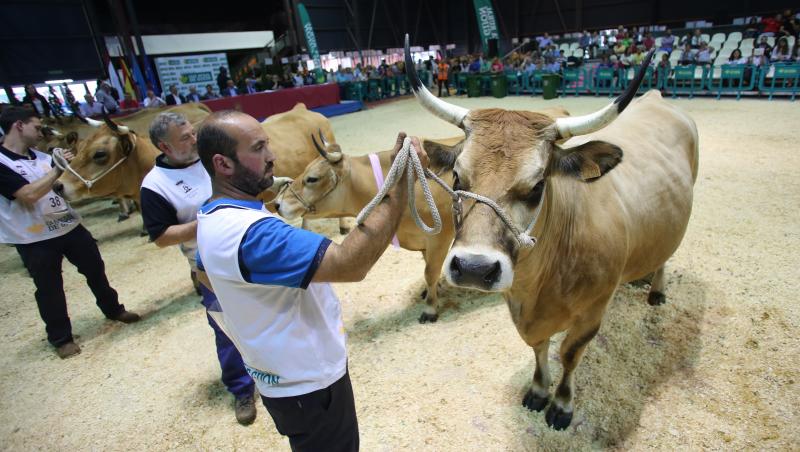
[{"x": 128, "y": 85}]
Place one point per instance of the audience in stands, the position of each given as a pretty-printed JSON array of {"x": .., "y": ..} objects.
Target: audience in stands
[
  {"x": 103, "y": 96},
  {"x": 781, "y": 53},
  {"x": 36, "y": 101},
  {"x": 153, "y": 101},
  {"x": 667, "y": 42},
  {"x": 687, "y": 55},
  {"x": 128, "y": 103},
  {"x": 91, "y": 107},
  {"x": 737, "y": 58},
  {"x": 193, "y": 95},
  {"x": 210, "y": 93},
  {"x": 771, "y": 25},
  {"x": 174, "y": 97},
  {"x": 230, "y": 89},
  {"x": 703, "y": 55}
]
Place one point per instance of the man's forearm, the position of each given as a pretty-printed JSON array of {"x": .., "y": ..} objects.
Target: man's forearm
[
  {"x": 176, "y": 234},
  {"x": 32, "y": 192}
]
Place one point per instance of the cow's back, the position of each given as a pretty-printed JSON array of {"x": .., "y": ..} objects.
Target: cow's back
[
  {"x": 648, "y": 197},
  {"x": 290, "y": 138}
]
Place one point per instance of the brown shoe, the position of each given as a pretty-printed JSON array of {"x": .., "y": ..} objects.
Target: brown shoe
[
  {"x": 64, "y": 351},
  {"x": 245, "y": 410},
  {"x": 127, "y": 317}
]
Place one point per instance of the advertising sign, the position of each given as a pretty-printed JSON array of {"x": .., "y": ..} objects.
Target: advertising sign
[{"x": 191, "y": 70}]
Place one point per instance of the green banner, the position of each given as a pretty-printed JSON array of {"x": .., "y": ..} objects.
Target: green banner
[
  {"x": 311, "y": 41},
  {"x": 487, "y": 24}
]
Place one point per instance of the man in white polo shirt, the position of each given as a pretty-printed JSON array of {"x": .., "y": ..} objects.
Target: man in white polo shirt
[
  {"x": 171, "y": 194},
  {"x": 271, "y": 280},
  {"x": 44, "y": 229}
]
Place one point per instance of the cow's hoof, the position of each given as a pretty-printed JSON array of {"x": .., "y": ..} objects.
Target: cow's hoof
[
  {"x": 424, "y": 294},
  {"x": 428, "y": 318},
  {"x": 344, "y": 231},
  {"x": 122, "y": 218},
  {"x": 533, "y": 402},
  {"x": 656, "y": 298},
  {"x": 556, "y": 418}
]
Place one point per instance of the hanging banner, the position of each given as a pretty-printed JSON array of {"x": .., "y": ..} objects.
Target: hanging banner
[
  {"x": 311, "y": 41},
  {"x": 487, "y": 24},
  {"x": 191, "y": 70}
]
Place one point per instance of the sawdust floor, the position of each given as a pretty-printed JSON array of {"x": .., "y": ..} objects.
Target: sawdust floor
[{"x": 717, "y": 367}]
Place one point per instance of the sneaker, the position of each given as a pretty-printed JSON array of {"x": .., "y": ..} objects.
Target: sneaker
[
  {"x": 126, "y": 317},
  {"x": 64, "y": 351},
  {"x": 245, "y": 409}
]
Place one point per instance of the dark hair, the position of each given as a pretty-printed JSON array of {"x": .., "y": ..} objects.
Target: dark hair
[
  {"x": 13, "y": 114},
  {"x": 213, "y": 139}
]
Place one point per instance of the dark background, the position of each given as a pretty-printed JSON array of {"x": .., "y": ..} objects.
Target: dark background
[{"x": 53, "y": 39}]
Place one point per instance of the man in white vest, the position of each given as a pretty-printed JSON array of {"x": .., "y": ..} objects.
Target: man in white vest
[
  {"x": 45, "y": 229},
  {"x": 172, "y": 192},
  {"x": 272, "y": 282}
]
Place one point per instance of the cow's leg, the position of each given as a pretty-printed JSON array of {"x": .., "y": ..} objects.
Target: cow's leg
[
  {"x": 435, "y": 254},
  {"x": 559, "y": 415},
  {"x": 537, "y": 397},
  {"x": 656, "y": 295},
  {"x": 124, "y": 209}
]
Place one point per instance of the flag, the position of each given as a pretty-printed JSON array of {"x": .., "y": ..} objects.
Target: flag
[
  {"x": 138, "y": 77},
  {"x": 311, "y": 40},
  {"x": 487, "y": 24},
  {"x": 113, "y": 77},
  {"x": 127, "y": 82}
]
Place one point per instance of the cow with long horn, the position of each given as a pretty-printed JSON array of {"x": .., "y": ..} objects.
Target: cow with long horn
[{"x": 598, "y": 219}]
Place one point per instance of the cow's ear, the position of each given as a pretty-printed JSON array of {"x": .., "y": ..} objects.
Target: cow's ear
[
  {"x": 442, "y": 157},
  {"x": 588, "y": 161},
  {"x": 127, "y": 144},
  {"x": 72, "y": 138}
]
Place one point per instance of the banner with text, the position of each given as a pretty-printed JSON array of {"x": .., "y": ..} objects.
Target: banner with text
[
  {"x": 487, "y": 24},
  {"x": 191, "y": 70},
  {"x": 311, "y": 40}
]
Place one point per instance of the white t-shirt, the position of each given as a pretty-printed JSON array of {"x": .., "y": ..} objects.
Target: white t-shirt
[
  {"x": 288, "y": 330},
  {"x": 50, "y": 217}
]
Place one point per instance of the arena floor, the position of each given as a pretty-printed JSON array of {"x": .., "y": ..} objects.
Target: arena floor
[{"x": 717, "y": 367}]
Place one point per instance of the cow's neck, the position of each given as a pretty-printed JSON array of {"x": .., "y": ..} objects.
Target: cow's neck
[
  {"x": 141, "y": 160},
  {"x": 360, "y": 181}
]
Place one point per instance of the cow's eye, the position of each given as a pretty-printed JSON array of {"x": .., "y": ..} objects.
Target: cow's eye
[
  {"x": 535, "y": 195},
  {"x": 456, "y": 182},
  {"x": 99, "y": 156},
  {"x": 311, "y": 180}
]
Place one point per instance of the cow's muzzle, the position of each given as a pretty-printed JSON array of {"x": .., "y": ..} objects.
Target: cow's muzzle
[{"x": 486, "y": 270}]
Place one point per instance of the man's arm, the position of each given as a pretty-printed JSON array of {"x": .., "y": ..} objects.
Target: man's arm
[
  {"x": 176, "y": 234},
  {"x": 32, "y": 192},
  {"x": 350, "y": 261}
]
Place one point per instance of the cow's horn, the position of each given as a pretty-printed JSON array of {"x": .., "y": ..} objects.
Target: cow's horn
[
  {"x": 581, "y": 125},
  {"x": 333, "y": 156},
  {"x": 122, "y": 130},
  {"x": 89, "y": 121},
  {"x": 449, "y": 112},
  {"x": 53, "y": 131}
]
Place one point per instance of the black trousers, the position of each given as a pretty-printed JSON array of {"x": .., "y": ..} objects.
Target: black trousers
[
  {"x": 323, "y": 420},
  {"x": 43, "y": 261},
  {"x": 446, "y": 84}
]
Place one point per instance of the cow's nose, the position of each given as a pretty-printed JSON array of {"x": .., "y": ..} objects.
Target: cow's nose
[
  {"x": 476, "y": 271},
  {"x": 58, "y": 187}
]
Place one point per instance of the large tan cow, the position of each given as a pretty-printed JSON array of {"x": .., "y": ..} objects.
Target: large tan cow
[
  {"x": 117, "y": 158},
  {"x": 608, "y": 206},
  {"x": 336, "y": 185}
]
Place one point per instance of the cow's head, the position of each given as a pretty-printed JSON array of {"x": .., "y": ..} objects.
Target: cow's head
[
  {"x": 318, "y": 192},
  {"x": 94, "y": 160},
  {"x": 508, "y": 157}
]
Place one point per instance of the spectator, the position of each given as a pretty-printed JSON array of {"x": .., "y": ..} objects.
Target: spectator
[
  {"x": 297, "y": 79},
  {"x": 703, "y": 56},
  {"x": 585, "y": 41},
  {"x": 544, "y": 41},
  {"x": 626, "y": 59},
  {"x": 250, "y": 85},
  {"x": 759, "y": 57},
  {"x": 497, "y": 66},
  {"x": 687, "y": 55},
  {"x": 153, "y": 101},
  {"x": 771, "y": 25},
  {"x": 696, "y": 38},
  {"x": 638, "y": 58},
  {"x": 103, "y": 96},
  {"x": 90, "y": 107},
  {"x": 781, "y": 53},
  {"x": 663, "y": 69},
  {"x": 230, "y": 89},
  {"x": 36, "y": 101},
  {"x": 764, "y": 44},
  {"x": 129, "y": 103},
  {"x": 736, "y": 57},
  {"x": 648, "y": 41},
  {"x": 667, "y": 42},
  {"x": 789, "y": 25},
  {"x": 210, "y": 93},
  {"x": 442, "y": 71},
  {"x": 475, "y": 66},
  {"x": 193, "y": 95},
  {"x": 619, "y": 47},
  {"x": 222, "y": 79},
  {"x": 174, "y": 97}
]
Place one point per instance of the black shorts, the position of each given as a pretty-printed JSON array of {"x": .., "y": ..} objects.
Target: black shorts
[{"x": 320, "y": 420}]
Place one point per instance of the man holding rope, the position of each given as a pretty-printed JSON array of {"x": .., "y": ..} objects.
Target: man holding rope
[
  {"x": 272, "y": 282},
  {"x": 45, "y": 229}
]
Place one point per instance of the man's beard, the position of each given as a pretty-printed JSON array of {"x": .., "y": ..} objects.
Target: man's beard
[{"x": 249, "y": 181}]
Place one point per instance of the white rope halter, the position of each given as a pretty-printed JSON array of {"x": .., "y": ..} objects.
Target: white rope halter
[
  {"x": 63, "y": 165},
  {"x": 408, "y": 160}
]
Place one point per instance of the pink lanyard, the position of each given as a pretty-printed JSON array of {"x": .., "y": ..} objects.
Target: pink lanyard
[{"x": 378, "y": 173}]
